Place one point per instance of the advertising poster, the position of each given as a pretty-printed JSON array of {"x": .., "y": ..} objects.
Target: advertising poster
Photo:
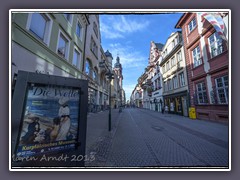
[{"x": 50, "y": 121}]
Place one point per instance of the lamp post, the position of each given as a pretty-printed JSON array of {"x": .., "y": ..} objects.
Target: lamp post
[
  {"x": 120, "y": 95},
  {"x": 110, "y": 76}
]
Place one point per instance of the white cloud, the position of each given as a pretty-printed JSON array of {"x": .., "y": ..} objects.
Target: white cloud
[
  {"x": 129, "y": 57},
  {"x": 114, "y": 27},
  {"x": 106, "y": 31},
  {"x": 125, "y": 25}
]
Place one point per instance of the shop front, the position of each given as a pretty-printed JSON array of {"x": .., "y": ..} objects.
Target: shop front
[
  {"x": 157, "y": 104},
  {"x": 177, "y": 103}
]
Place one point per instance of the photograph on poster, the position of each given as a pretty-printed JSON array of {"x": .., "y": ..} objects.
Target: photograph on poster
[{"x": 50, "y": 120}]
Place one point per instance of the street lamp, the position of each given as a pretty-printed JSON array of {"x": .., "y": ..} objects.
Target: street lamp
[
  {"x": 110, "y": 76},
  {"x": 120, "y": 95}
]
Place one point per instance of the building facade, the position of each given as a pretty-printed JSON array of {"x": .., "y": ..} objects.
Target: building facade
[
  {"x": 62, "y": 44},
  {"x": 148, "y": 92},
  {"x": 156, "y": 100},
  {"x": 92, "y": 58},
  {"x": 207, "y": 64},
  {"x": 175, "y": 86},
  {"x": 48, "y": 43}
]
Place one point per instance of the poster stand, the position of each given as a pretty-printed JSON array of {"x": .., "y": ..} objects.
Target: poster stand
[{"x": 48, "y": 121}]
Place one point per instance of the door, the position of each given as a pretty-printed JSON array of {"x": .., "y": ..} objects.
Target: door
[{"x": 184, "y": 103}]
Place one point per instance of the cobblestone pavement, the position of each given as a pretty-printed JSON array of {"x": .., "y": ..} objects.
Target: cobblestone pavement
[{"x": 143, "y": 138}]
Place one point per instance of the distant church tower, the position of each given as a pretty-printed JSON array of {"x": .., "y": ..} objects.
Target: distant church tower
[{"x": 118, "y": 71}]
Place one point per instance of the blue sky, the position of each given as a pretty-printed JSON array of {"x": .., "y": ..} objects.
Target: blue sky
[{"x": 130, "y": 36}]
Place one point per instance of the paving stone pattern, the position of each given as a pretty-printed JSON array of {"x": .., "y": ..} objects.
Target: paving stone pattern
[{"x": 142, "y": 138}]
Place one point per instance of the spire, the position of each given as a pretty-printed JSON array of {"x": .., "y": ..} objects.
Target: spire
[
  {"x": 118, "y": 64},
  {"x": 108, "y": 54}
]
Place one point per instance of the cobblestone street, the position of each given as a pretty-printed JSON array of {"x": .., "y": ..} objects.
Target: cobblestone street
[{"x": 143, "y": 138}]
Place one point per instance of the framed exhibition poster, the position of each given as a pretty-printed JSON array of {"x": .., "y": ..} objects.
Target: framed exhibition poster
[{"x": 50, "y": 119}]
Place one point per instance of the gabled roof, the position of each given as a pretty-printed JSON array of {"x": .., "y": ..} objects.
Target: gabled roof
[
  {"x": 182, "y": 20},
  {"x": 168, "y": 39}
]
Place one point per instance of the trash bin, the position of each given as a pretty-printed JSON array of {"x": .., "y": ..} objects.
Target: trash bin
[{"x": 192, "y": 113}]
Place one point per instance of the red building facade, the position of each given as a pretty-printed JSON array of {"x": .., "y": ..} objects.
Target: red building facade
[{"x": 207, "y": 64}]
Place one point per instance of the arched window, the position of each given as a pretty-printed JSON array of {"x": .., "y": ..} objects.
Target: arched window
[
  {"x": 87, "y": 68},
  {"x": 95, "y": 75}
]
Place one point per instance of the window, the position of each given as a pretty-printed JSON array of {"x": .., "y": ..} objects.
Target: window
[
  {"x": 93, "y": 47},
  {"x": 40, "y": 25},
  {"x": 95, "y": 29},
  {"x": 76, "y": 58},
  {"x": 196, "y": 57},
  {"x": 163, "y": 69},
  {"x": 68, "y": 17},
  {"x": 167, "y": 66},
  {"x": 79, "y": 30},
  {"x": 87, "y": 68},
  {"x": 181, "y": 80},
  {"x": 175, "y": 82},
  {"x": 170, "y": 84},
  {"x": 215, "y": 45},
  {"x": 222, "y": 89},
  {"x": 176, "y": 40},
  {"x": 165, "y": 53},
  {"x": 159, "y": 83},
  {"x": 95, "y": 75},
  {"x": 165, "y": 86},
  {"x": 179, "y": 56},
  {"x": 63, "y": 45},
  {"x": 192, "y": 24},
  {"x": 201, "y": 93},
  {"x": 173, "y": 61},
  {"x": 173, "y": 43}
]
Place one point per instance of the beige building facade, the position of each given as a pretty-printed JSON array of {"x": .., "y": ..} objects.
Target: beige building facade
[{"x": 175, "y": 86}]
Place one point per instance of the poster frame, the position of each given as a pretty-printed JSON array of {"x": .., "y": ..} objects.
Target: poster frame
[{"x": 19, "y": 96}]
